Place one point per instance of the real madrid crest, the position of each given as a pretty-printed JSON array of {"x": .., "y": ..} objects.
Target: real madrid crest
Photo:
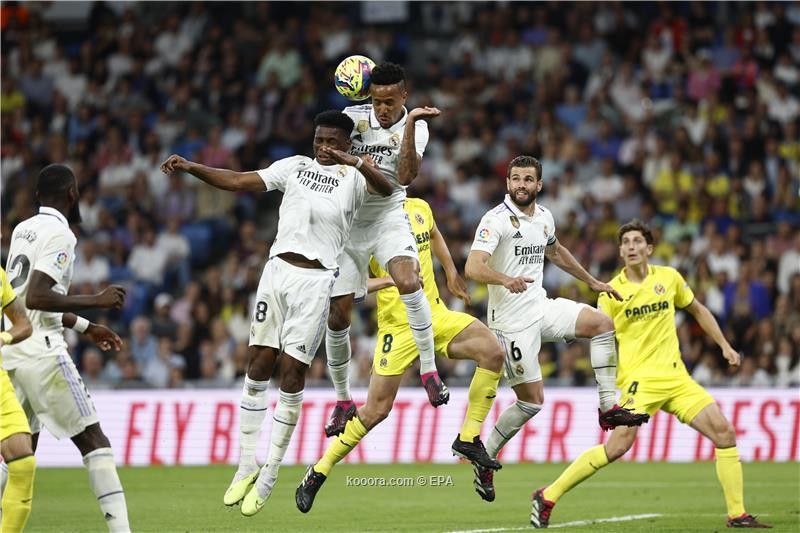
[
  {"x": 520, "y": 369},
  {"x": 514, "y": 221},
  {"x": 394, "y": 140},
  {"x": 341, "y": 172},
  {"x": 419, "y": 219},
  {"x": 362, "y": 126}
]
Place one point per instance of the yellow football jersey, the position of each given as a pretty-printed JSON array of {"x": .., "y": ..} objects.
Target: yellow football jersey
[
  {"x": 645, "y": 323},
  {"x": 8, "y": 294},
  {"x": 391, "y": 310}
]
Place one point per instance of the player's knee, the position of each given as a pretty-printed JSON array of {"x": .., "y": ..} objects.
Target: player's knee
[
  {"x": 604, "y": 324},
  {"x": 494, "y": 357},
  {"x": 339, "y": 318},
  {"x": 407, "y": 284}
]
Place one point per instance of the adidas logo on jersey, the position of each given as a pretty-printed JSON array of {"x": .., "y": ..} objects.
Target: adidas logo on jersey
[
  {"x": 517, "y": 235},
  {"x": 410, "y": 248},
  {"x": 301, "y": 348}
]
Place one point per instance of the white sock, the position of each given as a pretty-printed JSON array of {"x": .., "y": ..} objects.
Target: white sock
[
  {"x": 3, "y": 481},
  {"x": 419, "y": 319},
  {"x": 603, "y": 353},
  {"x": 3, "y": 478},
  {"x": 252, "y": 410},
  {"x": 337, "y": 347},
  {"x": 287, "y": 411},
  {"x": 107, "y": 488},
  {"x": 509, "y": 423}
]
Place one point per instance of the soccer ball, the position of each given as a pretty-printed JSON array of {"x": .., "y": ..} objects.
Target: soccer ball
[{"x": 352, "y": 77}]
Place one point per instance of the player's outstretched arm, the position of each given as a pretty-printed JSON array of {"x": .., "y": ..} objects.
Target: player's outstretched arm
[
  {"x": 376, "y": 284},
  {"x": 103, "y": 337},
  {"x": 478, "y": 269},
  {"x": 376, "y": 181},
  {"x": 709, "y": 324},
  {"x": 221, "y": 178},
  {"x": 21, "y": 329},
  {"x": 455, "y": 283},
  {"x": 42, "y": 297},
  {"x": 408, "y": 160},
  {"x": 564, "y": 260}
]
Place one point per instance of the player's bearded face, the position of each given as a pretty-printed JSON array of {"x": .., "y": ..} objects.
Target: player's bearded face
[{"x": 523, "y": 186}]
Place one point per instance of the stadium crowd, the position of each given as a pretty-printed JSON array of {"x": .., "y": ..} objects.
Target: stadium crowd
[{"x": 684, "y": 115}]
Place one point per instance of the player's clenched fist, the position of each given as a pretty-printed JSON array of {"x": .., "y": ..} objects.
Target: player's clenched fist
[
  {"x": 518, "y": 284},
  {"x": 732, "y": 356},
  {"x": 112, "y": 297},
  {"x": 174, "y": 163}
]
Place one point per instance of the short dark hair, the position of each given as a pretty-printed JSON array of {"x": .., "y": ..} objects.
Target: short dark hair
[
  {"x": 387, "y": 74},
  {"x": 335, "y": 119},
  {"x": 636, "y": 225},
  {"x": 525, "y": 161},
  {"x": 53, "y": 180}
]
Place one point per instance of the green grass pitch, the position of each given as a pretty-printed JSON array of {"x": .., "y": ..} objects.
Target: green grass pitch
[{"x": 684, "y": 497}]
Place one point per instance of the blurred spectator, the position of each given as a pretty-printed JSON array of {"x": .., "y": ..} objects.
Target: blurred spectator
[{"x": 143, "y": 345}]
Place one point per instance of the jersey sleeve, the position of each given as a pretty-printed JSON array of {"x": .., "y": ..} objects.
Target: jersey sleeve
[
  {"x": 277, "y": 174},
  {"x": 605, "y": 304},
  {"x": 56, "y": 256},
  {"x": 421, "y": 136},
  {"x": 8, "y": 295},
  {"x": 551, "y": 229},
  {"x": 487, "y": 236},
  {"x": 683, "y": 293}
]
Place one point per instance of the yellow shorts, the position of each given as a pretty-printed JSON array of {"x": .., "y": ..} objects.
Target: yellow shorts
[
  {"x": 396, "y": 350},
  {"x": 680, "y": 396},
  {"x": 12, "y": 417}
]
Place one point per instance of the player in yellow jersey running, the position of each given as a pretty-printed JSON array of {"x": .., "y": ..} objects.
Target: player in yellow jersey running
[
  {"x": 456, "y": 335},
  {"x": 15, "y": 433},
  {"x": 651, "y": 374}
]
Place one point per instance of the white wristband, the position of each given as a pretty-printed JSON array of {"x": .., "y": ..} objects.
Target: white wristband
[
  {"x": 359, "y": 163},
  {"x": 81, "y": 324}
]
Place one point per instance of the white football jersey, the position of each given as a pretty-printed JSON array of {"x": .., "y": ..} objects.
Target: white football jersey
[
  {"x": 318, "y": 207},
  {"x": 383, "y": 145},
  {"x": 516, "y": 243},
  {"x": 45, "y": 243}
]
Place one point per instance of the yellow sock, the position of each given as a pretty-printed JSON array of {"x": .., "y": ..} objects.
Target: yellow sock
[
  {"x": 482, "y": 391},
  {"x": 584, "y": 466},
  {"x": 18, "y": 494},
  {"x": 354, "y": 431},
  {"x": 729, "y": 472}
]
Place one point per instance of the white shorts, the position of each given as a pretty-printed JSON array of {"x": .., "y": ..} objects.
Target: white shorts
[
  {"x": 522, "y": 347},
  {"x": 385, "y": 240},
  {"x": 53, "y": 395},
  {"x": 291, "y": 309}
]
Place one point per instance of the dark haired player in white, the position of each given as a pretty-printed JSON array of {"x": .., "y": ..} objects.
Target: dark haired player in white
[
  {"x": 395, "y": 139},
  {"x": 321, "y": 197},
  {"x": 49, "y": 387},
  {"x": 511, "y": 243}
]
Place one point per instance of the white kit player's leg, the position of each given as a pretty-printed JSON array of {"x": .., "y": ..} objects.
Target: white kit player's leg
[
  {"x": 105, "y": 484},
  {"x": 287, "y": 412},
  {"x": 337, "y": 348},
  {"x": 509, "y": 423},
  {"x": 252, "y": 410},
  {"x": 603, "y": 354}
]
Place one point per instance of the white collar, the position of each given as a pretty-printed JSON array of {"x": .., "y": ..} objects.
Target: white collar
[
  {"x": 511, "y": 206},
  {"x": 44, "y": 210}
]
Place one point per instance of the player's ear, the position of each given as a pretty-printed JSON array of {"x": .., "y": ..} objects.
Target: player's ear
[
  {"x": 539, "y": 184},
  {"x": 649, "y": 250}
]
